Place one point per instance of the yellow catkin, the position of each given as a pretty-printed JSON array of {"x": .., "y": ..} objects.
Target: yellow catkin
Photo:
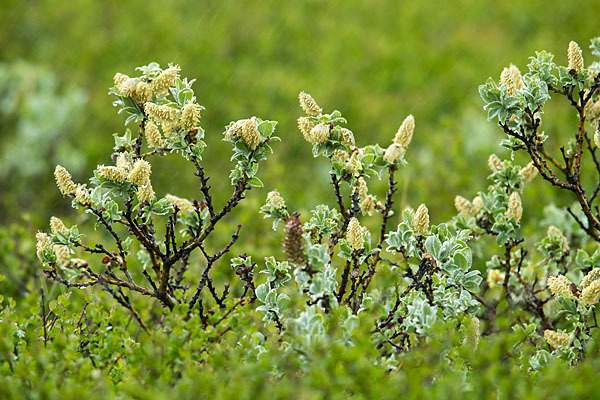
[
  {"x": 558, "y": 340},
  {"x": 393, "y": 153},
  {"x": 162, "y": 114},
  {"x": 57, "y": 226},
  {"x": 591, "y": 294},
  {"x": 528, "y": 172},
  {"x": 275, "y": 200},
  {"x": 82, "y": 195},
  {"x": 166, "y": 79},
  {"x": 516, "y": 76},
  {"x": 309, "y": 105},
  {"x": 319, "y": 133},
  {"x": 153, "y": 136},
  {"x": 235, "y": 130},
  {"x": 140, "y": 173},
  {"x": 63, "y": 254},
  {"x": 560, "y": 286},
  {"x": 515, "y": 209},
  {"x": 112, "y": 173},
  {"x": 464, "y": 207},
  {"x": 554, "y": 231},
  {"x": 361, "y": 187},
  {"x": 64, "y": 182},
  {"x": 250, "y": 134},
  {"x": 354, "y": 234},
  {"x": 506, "y": 78},
  {"x": 145, "y": 192},
  {"x": 347, "y": 138},
  {"x": 43, "y": 242},
  {"x": 190, "y": 115},
  {"x": 477, "y": 205},
  {"x": 405, "y": 132},
  {"x": 305, "y": 125},
  {"x": 421, "y": 221},
  {"x": 367, "y": 206},
  {"x": 353, "y": 165},
  {"x": 590, "y": 277},
  {"x": 340, "y": 155},
  {"x": 143, "y": 92},
  {"x": 120, "y": 78},
  {"x": 494, "y": 163},
  {"x": 575, "y": 57},
  {"x": 128, "y": 86},
  {"x": 123, "y": 163},
  {"x": 183, "y": 204},
  {"x": 472, "y": 332}
]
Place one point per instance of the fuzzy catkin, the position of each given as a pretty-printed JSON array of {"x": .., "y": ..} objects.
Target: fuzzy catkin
[
  {"x": 65, "y": 183},
  {"x": 516, "y": 76},
  {"x": 528, "y": 172},
  {"x": 361, "y": 187},
  {"x": 250, "y": 134},
  {"x": 340, "y": 155},
  {"x": 554, "y": 231},
  {"x": 575, "y": 57},
  {"x": 353, "y": 165},
  {"x": 305, "y": 125},
  {"x": 560, "y": 285},
  {"x": 293, "y": 245},
  {"x": 421, "y": 221},
  {"x": 347, "y": 138},
  {"x": 43, "y": 242},
  {"x": 392, "y": 153},
  {"x": 161, "y": 84},
  {"x": 153, "y": 136},
  {"x": 319, "y": 133},
  {"x": 591, "y": 294},
  {"x": 275, "y": 200},
  {"x": 63, "y": 254},
  {"x": 558, "y": 340},
  {"x": 494, "y": 163},
  {"x": 112, "y": 173},
  {"x": 590, "y": 277},
  {"x": 123, "y": 163},
  {"x": 119, "y": 78},
  {"x": 477, "y": 205},
  {"x": 473, "y": 332},
  {"x": 57, "y": 226},
  {"x": 405, "y": 132},
  {"x": 367, "y": 206},
  {"x": 190, "y": 115},
  {"x": 183, "y": 204},
  {"x": 506, "y": 78},
  {"x": 82, "y": 195},
  {"x": 309, "y": 105},
  {"x": 140, "y": 173},
  {"x": 354, "y": 234},
  {"x": 145, "y": 192},
  {"x": 162, "y": 114},
  {"x": 515, "y": 209},
  {"x": 464, "y": 207}
]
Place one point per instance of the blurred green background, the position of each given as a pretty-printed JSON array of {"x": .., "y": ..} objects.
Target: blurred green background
[{"x": 375, "y": 61}]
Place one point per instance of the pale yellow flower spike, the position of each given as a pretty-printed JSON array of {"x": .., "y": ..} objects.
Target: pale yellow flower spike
[
  {"x": 57, "y": 226},
  {"x": 506, "y": 78},
  {"x": 183, "y": 204},
  {"x": 190, "y": 115},
  {"x": 165, "y": 80},
  {"x": 353, "y": 165},
  {"x": 145, "y": 192},
  {"x": 392, "y": 153},
  {"x": 153, "y": 136},
  {"x": 575, "y": 57},
  {"x": 275, "y": 200},
  {"x": 421, "y": 221},
  {"x": 64, "y": 181},
  {"x": 477, "y": 205},
  {"x": 464, "y": 207},
  {"x": 235, "y": 130},
  {"x": 405, "y": 132},
  {"x": 319, "y": 133},
  {"x": 309, "y": 105},
  {"x": 112, "y": 173},
  {"x": 367, "y": 206},
  {"x": 516, "y": 76},
  {"x": 590, "y": 277},
  {"x": 120, "y": 78},
  {"x": 250, "y": 133},
  {"x": 161, "y": 114},
  {"x": 528, "y": 172},
  {"x": 494, "y": 163},
  {"x": 82, "y": 195},
  {"x": 43, "y": 242},
  {"x": 473, "y": 332},
  {"x": 591, "y": 294},
  {"x": 560, "y": 285},
  {"x": 63, "y": 254},
  {"x": 354, "y": 234},
  {"x": 123, "y": 163},
  {"x": 305, "y": 125},
  {"x": 140, "y": 173},
  {"x": 347, "y": 138},
  {"x": 558, "y": 340},
  {"x": 515, "y": 209}
]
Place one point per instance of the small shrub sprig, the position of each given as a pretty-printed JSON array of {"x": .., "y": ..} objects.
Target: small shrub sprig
[{"x": 122, "y": 200}]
